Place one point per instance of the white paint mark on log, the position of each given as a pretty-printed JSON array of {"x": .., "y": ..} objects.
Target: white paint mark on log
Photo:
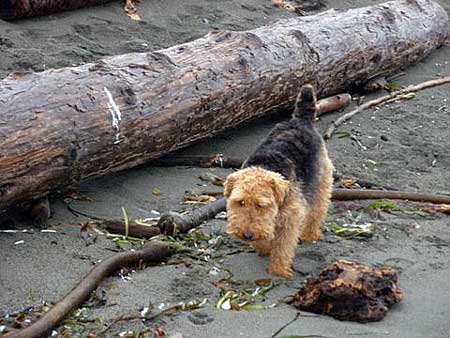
[{"x": 116, "y": 115}]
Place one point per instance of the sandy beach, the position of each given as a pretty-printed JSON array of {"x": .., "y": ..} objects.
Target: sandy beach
[{"x": 403, "y": 144}]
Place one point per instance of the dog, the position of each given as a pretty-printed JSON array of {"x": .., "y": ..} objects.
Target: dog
[{"x": 282, "y": 192}]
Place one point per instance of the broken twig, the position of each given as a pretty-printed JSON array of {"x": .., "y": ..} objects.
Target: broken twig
[
  {"x": 332, "y": 103},
  {"x": 395, "y": 94}
]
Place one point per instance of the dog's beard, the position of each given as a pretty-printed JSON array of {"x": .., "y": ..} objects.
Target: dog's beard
[{"x": 265, "y": 233}]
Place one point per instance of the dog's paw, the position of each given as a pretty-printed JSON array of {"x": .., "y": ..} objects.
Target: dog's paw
[
  {"x": 285, "y": 272},
  {"x": 311, "y": 236}
]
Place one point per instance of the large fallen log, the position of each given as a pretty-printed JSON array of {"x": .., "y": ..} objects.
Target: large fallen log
[
  {"x": 61, "y": 126},
  {"x": 16, "y": 9}
]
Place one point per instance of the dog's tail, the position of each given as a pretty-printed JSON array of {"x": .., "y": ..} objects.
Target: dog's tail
[{"x": 305, "y": 106}]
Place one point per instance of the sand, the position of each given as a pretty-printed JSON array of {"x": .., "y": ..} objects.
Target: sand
[{"x": 406, "y": 145}]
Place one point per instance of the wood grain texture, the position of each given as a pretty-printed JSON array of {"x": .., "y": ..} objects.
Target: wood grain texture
[{"x": 64, "y": 125}]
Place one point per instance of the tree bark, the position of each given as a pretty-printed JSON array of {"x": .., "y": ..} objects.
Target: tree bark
[
  {"x": 61, "y": 126},
  {"x": 16, "y": 9}
]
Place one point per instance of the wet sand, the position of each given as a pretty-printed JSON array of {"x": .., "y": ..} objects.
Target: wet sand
[{"x": 405, "y": 145}]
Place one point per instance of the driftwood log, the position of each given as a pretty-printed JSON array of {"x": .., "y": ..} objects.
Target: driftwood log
[
  {"x": 350, "y": 291},
  {"x": 16, "y": 9},
  {"x": 61, "y": 126}
]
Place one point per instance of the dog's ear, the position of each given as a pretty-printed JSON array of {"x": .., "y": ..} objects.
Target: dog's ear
[
  {"x": 228, "y": 184},
  {"x": 280, "y": 188}
]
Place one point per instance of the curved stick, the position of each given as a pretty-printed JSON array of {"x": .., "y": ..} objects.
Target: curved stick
[
  {"x": 396, "y": 94},
  {"x": 155, "y": 252}
]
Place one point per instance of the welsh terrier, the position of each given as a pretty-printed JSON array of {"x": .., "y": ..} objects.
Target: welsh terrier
[{"x": 282, "y": 192}]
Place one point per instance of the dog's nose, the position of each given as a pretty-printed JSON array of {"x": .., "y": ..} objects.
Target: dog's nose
[{"x": 248, "y": 235}]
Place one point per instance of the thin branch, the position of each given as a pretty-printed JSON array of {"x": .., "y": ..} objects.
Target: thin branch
[
  {"x": 357, "y": 194},
  {"x": 396, "y": 94},
  {"x": 297, "y": 316}
]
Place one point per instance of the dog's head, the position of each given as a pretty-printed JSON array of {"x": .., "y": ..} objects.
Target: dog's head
[{"x": 254, "y": 196}]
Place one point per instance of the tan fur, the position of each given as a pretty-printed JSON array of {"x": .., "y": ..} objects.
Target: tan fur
[
  {"x": 311, "y": 230},
  {"x": 253, "y": 199},
  {"x": 275, "y": 211},
  {"x": 269, "y": 206}
]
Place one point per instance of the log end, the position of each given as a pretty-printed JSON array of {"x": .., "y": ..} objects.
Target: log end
[{"x": 172, "y": 223}]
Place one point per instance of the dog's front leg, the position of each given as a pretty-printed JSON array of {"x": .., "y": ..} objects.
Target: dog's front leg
[
  {"x": 263, "y": 248},
  {"x": 285, "y": 241}
]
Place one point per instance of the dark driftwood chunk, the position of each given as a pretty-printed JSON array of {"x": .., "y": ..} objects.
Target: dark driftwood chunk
[{"x": 350, "y": 291}]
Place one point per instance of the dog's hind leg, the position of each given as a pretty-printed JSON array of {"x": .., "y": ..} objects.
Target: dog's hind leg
[{"x": 311, "y": 229}]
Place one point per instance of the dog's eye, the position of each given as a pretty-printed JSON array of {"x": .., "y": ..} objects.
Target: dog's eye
[
  {"x": 242, "y": 202},
  {"x": 263, "y": 203}
]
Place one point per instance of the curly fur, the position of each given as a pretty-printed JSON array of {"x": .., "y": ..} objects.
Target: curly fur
[{"x": 283, "y": 191}]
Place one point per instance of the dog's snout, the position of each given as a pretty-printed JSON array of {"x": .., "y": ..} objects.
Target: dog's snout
[{"x": 248, "y": 235}]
